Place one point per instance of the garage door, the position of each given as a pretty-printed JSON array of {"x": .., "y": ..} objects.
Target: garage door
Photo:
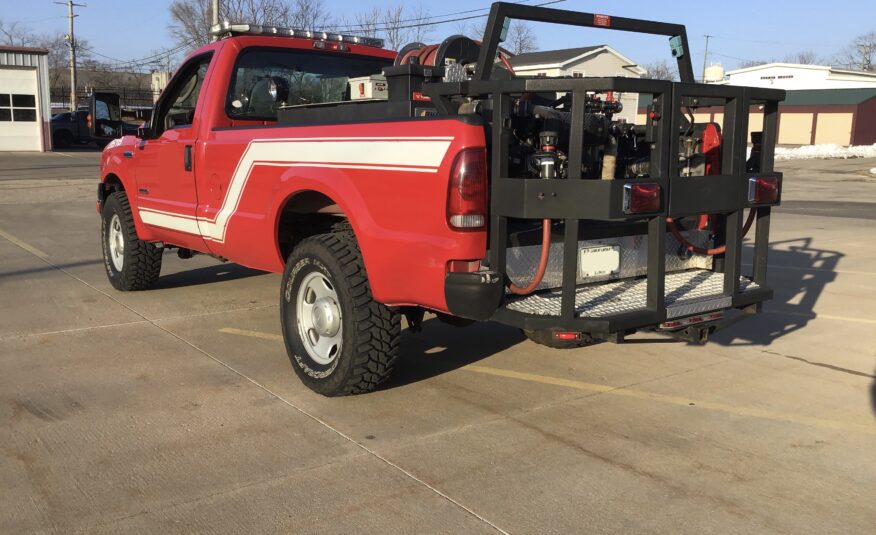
[
  {"x": 795, "y": 129},
  {"x": 833, "y": 128},
  {"x": 19, "y": 120}
]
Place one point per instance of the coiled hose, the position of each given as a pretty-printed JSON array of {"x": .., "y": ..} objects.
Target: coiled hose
[{"x": 542, "y": 262}]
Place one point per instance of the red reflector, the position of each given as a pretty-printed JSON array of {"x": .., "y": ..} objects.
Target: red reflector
[
  {"x": 467, "y": 194},
  {"x": 763, "y": 190},
  {"x": 566, "y": 336},
  {"x": 641, "y": 197},
  {"x": 602, "y": 20}
]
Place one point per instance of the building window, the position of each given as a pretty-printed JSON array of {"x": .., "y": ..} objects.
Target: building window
[
  {"x": 541, "y": 75},
  {"x": 577, "y": 74},
  {"x": 18, "y": 108}
]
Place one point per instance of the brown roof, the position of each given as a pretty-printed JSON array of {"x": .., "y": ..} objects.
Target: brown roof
[{"x": 23, "y": 49}]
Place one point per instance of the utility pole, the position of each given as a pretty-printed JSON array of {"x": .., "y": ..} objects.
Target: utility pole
[
  {"x": 215, "y": 14},
  {"x": 71, "y": 42},
  {"x": 706, "y": 55}
]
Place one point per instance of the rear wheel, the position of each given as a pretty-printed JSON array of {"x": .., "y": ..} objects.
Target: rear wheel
[
  {"x": 131, "y": 264},
  {"x": 339, "y": 340}
]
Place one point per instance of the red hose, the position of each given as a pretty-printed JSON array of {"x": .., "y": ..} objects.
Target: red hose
[
  {"x": 542, "y": 262},
  {"x": 714, "y": 250}
]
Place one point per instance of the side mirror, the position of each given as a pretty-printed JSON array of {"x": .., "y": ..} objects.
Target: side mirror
[{"x": 105, "y": 116}]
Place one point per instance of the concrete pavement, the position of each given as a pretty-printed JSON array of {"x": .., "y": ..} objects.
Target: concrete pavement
[{"x": 176, "y": 410}]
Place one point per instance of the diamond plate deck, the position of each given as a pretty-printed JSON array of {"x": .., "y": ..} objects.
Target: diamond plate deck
[
  {"x": 522, "y": 261},
  {"x": 687, "y": 293}
]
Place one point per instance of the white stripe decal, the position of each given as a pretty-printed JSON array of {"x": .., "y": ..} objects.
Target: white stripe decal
[
  {"x": 400, "y": 154},
  {"x": 173, "y": 222}
]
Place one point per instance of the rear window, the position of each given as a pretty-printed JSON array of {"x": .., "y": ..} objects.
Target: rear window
[{"x": 265, "y": 80}]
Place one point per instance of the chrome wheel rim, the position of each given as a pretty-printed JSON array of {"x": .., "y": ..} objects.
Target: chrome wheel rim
[
  {"x": 319, "y": 318},
  {"x": 116, "y": 242}
]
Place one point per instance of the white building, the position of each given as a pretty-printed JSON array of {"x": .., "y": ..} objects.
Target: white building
[
  {"x": 794, "y": 76},
  {"x": 590, "y": 62},
  {"x": 25, "y": 112}
]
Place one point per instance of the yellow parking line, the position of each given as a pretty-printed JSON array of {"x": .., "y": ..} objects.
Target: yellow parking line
[
  {"x": 736, "y": 410},
  {"x": 29, "y": 248},
  {"x": 252, "y": 334},
  {"x": 726, "y": 408}
]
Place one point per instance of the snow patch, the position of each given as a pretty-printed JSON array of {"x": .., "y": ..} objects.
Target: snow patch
[
  {"x": 873, "y": 170},
  {"x": 825, "y": 152}
]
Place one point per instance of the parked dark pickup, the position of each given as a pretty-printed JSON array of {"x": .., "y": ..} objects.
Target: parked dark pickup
[{"x": 71, "y": 128}]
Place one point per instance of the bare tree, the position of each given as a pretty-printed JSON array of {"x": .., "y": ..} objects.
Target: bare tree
[
  {"x": 394, "y": 25},
  {"x": 397, "y": 25},
  {"x": 753, "y": 63},
  {"x": 367, "y": 23},
  {"x": 191, "y": 19},
  {"x": 661, "y": 70},
  {"x": 803, "y": 57},
  {"x": 422, "y": 28},
  {"x": 17, "y": 34},
  {"x": 521, "y": 38},
  {"x": 859, "y": 54},
  {"x": 306, "y": 14}
]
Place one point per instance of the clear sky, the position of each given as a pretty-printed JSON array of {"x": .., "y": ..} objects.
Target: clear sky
[{"x": 743, "y": 29}]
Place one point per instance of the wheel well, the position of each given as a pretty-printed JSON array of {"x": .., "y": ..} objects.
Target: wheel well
[
  {"x": 110, "y": 185},
  {"x": 306, "y": 214}
]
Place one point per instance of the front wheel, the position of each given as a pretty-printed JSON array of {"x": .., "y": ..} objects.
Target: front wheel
[
  {"x": 131, "y": 264},
  {"x": 339, "y": 340}
]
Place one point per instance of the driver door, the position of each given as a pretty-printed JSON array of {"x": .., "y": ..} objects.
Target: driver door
[{"x": 166, "y": 192}]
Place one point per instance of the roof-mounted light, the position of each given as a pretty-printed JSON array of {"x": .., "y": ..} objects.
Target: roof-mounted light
[{"x": 229, "y": 29}]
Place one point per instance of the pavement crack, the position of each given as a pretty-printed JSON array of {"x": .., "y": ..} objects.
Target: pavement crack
[
  {"x": 280, "y": 398},
  {"x": 820, "y": 364}
]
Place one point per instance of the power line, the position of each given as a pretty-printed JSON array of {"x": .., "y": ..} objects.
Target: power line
[
  {"x": 430, "y": 22},
  {"x": 423, "y": 20}
]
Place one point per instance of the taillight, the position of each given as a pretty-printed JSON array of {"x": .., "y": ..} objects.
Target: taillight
[
  {"x": 642, "y": 197},
  {"x": 763, "y": 190},
  {"x": 88, "y": 120},
  {"x": 467, "y": 194},
  {"x": 566, "y": 336}
]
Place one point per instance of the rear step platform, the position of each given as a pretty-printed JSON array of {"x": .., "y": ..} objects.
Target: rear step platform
[{"x": 687, "y": 293}]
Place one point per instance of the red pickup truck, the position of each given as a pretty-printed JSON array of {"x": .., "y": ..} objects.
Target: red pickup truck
[{"x": 386, "y": 184}]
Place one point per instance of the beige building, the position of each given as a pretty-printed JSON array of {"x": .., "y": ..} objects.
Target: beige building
[{"x": 585, "y": 62}]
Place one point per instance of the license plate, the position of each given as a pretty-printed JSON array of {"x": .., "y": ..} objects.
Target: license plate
[{"x": 598, "y": 261}]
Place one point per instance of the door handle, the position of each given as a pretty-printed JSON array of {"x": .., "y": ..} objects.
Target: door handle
[{"x": 187, "y": 157}]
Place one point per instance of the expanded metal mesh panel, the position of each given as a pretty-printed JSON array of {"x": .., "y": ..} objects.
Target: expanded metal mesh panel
[
  {"x": 687, "y": 293},
  {"x": 522, "y": 262}
]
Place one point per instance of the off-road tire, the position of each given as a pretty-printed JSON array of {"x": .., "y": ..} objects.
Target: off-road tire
[
  {"x": 370, "y": 331},
  {"x": 141, "y": 262},
  {"x": 546, "y": 338}
]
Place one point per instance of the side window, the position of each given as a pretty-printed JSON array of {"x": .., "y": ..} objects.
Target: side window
[
  {"x": 176, "y": 109},
  {"x": 267, "y": 79}
]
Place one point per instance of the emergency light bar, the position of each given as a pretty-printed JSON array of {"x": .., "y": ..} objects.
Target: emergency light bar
[{"x": 228, "y": 29}]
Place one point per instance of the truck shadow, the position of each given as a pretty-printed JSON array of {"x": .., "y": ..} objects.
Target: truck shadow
[
  {"x": 205, "y": 275},
  {"x": 798, "y": 274},
  {"x": 442, "y": 348}
]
